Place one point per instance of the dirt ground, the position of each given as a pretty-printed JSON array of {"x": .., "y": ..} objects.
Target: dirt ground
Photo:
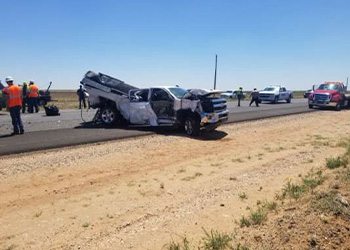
[{"x": 142, "y": 193}]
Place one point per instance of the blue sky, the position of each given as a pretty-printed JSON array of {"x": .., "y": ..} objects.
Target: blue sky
[{"x": 259, "y": 42}]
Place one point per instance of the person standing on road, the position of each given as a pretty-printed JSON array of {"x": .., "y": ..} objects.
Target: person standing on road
[
  {"x": 239, "y": 95},
  {"x": 81, "y": 94},
  {"x": 33, "y": 95},
  {"x": 15, "y": 104},
  {"x": 255, "y": 97},
  {"x": 24, "y": 96}
]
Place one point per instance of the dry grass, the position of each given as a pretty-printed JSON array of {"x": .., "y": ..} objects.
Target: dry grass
[{"x": 65, "y": 99}]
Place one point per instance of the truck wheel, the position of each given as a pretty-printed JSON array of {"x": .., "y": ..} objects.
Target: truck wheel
[
  {"x": 311, "y": 106},
  {"x": 108, "y": 116},
  {"x": 289, "y": 99},
  {"x": 338, "y": 106},
  {"x": 42, "y": 103},
  {"x": 192, "y": 126},
  {"x": 276, "y": 100}
]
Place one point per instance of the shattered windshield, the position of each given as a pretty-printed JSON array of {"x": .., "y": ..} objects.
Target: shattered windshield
[
  {"x": 269, "y": 89},
  {"x": 178, "y": 92},
  {"x": 329, "y": 87}
]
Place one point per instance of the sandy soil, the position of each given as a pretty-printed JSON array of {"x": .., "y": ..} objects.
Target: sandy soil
[{"x": 141, "y": 193}]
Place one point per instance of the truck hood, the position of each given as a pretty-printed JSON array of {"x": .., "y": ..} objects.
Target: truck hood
[
  {"x": 267, "y": 92},
  {"x": 228, "y": 94},
  {"x": 318, "y": 91},
  {"x": 205, "y": 92}
]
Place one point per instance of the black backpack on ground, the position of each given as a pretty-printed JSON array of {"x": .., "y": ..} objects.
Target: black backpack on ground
[{"x": 52, "y": 110}]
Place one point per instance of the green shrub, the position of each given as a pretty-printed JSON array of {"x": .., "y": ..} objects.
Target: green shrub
[
  {"x": 270, "y": 206},
  {"x": 216, "y": 240},
  {"x": 293, "y": 191},
  {"x": 177, "y": 246},
  {"x": 243, "y": 196},
  {"x": 337, "y": 162},
  {"x": 312, "y": 180},
  {"x": 258, "y": 217},
  {"x": 244, "y": 222}
]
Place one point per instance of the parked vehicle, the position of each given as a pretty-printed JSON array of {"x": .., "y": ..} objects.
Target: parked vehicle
[
  {"x": 274, "y": 94},
  {"x": 120, "y": 103},
  {"x": 329, "y": 94},
  {"x": 307, "y": 93},
  {"x": 231, "y": 94}
]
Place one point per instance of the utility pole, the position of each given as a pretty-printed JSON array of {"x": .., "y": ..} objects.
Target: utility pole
[{"x": 216, "y": 65}]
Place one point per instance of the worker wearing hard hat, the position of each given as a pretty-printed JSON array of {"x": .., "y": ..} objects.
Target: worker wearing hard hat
[
  {"x": 33, "y": 93},
  {"x": 14, "y": 103},
  {"x": 24, "y": 96}
]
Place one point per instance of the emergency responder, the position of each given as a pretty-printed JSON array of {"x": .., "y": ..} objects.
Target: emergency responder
[
  {"x": 24, "y": 96},
  {"x": 81, "y": 94},
  {"x": 239, "y": 96},
  {"x": 33, "y": 94},
  {"x": 14, "y": 103},
  {"x": 255, "y": 97}
]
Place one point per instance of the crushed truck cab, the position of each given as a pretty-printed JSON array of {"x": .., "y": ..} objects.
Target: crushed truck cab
[{"x": 121, "y": 103}]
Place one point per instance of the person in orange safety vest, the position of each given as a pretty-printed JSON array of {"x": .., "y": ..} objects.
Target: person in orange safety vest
[
  {"x": 33, "y": 94},
  {"x": 13, "y": 92}
]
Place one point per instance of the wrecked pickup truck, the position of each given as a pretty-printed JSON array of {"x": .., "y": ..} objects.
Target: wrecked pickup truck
[{"x": 120, "y": 103}]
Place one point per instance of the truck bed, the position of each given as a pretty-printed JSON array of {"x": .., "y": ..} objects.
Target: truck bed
[{"x": 106, "y": 83}]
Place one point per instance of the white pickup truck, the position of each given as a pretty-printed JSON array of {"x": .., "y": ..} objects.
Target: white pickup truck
[
  {"x": 275, "y": 94},
  {"x": 119, "y": 102}
]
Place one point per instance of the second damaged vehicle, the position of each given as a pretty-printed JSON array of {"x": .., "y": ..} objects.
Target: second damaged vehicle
[{"x": 121, "y": 103}]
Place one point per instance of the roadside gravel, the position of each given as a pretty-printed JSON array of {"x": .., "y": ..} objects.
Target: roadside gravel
[{"x": 141, "y": 193}]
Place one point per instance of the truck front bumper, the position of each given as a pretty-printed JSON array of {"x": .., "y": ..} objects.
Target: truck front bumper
[
  {"x": 267, "y": 97},
  {"x": 212, "y": 120},
  {"x": 323, "y": 103}
]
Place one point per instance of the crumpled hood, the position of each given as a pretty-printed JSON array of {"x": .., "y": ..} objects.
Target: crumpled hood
[{"x": 205, "y": 92}]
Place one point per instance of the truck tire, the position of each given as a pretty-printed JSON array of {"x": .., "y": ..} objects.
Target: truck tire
[
  {"x": 338, "y": 106},
  {"x": 109, "y": 116},
  {"x": 192, "y": 126},
  {"x": 289, "y": 99},
  {"x": 311, "y": 106},
  {"x": 276, "y": 100},
  {"x": 42, "y": 103}
]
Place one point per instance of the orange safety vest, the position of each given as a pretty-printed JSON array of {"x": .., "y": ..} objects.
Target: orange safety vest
[
  {"x": 33, "y": 91},
  {"x": 14, "y": 96}
]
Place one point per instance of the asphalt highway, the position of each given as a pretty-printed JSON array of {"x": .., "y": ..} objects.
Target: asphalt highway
[{"x": 44, "y": 132}]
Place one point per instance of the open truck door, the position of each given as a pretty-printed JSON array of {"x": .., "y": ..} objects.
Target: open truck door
[
  {"x": 162, "y": 104},
  {"x": 140, "y": 112}
]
